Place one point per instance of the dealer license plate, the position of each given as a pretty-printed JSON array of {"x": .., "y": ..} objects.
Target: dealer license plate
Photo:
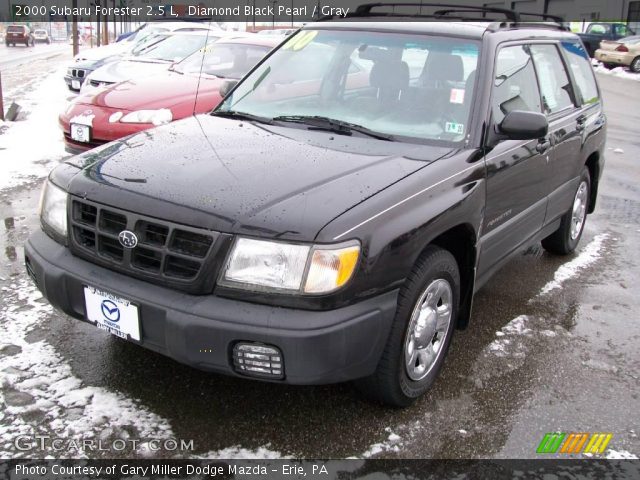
[
  {"x": 116, "y": 315},
  {"x": 80, "y": 133}
]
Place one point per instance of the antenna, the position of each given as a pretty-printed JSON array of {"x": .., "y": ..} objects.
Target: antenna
[{"x": 204, "y": 52}]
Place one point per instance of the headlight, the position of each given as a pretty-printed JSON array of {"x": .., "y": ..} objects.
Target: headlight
[
  {"x": 53, "y": 208},
  {"x": 290, "y": 268},
  {"x": 157, "y": 117}
]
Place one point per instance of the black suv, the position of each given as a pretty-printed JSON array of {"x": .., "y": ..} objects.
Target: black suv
[{"x": 333, "y": 217}]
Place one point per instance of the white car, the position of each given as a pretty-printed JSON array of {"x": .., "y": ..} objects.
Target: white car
[
  {"x": 41, "y": 35},
  {"x": 158, "y": 53}
]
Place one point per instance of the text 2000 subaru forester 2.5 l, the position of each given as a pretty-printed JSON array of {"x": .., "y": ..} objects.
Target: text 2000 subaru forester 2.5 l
[{"x": 333, "y": 217}]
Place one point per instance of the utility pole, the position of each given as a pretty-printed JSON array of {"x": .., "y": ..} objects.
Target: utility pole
[{"x": 74, "y": 29}]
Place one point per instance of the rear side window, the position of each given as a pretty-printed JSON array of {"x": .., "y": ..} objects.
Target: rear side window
[
  {"x": 552, "y": 76},
  {"x": 515, "y": 86},
  {"x": 582, "y": 72}
]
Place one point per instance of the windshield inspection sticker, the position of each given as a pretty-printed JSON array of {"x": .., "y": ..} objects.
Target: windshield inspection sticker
[
  {"x": 457, "y": 95},
  {"x": 453, "y": 127}
]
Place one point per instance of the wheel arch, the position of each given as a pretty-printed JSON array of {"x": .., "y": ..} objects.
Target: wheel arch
[
  {"x": 461, "y": 242},
  {"x": 594, "y": 167}
]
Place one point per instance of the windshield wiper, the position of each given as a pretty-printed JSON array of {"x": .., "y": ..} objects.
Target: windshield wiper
[
  {"x": 317, "y": 122},
  {"x": 241, "y": 116}
]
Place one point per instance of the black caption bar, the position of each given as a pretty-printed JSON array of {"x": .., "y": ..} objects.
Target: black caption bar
[
  {"x": 299, "y": 10},
  {"x": 319, "y": 469}
]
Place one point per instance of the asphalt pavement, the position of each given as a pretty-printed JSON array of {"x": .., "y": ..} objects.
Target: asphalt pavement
[
  {"x": 552, "y": 346},
  {"x": 12, "y": 57}
]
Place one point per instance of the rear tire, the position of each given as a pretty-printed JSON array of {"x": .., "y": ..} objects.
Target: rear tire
[
  {"x": 421, "y": 332},
  {"x": 565, "y": 240},
  {"x": 635, "y": 65}
]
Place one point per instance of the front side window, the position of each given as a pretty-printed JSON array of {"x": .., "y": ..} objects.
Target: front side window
[
  {"x": 515, "y": 86},
  {"x": 402, "y": 85},
  {"x": 580, "y": 65},
  {"x": 552, "y": 77}
]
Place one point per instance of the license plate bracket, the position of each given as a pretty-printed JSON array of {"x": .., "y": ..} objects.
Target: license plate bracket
[
  {"x": 112, "y": 313},
  {"x": 80, "y": 133}
]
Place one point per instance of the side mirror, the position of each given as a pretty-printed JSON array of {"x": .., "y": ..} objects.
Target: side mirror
[
  {"x": 522, "y": 125},
  {"x": 226, "y": 87}
]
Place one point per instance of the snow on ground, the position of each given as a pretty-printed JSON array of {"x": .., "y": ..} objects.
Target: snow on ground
[
  {"x": 620, "y": 455},
  {"x": 40, "y": 394},
  {"x": 620, "y": 72},
  {"x": 33, "y": 146},
  {"x": 589, "y": 254},
  {"x": 38, "y": 384}
]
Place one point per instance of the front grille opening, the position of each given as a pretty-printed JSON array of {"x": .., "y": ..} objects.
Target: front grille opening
[
  {"x": 181, "y": 268},
  {"x": 152, "y": 234},
  {"x": 110, "y": 248},
  {"x": 146, "y": 259},
  {"x": 189, "y": 243},
  {"x": 84, "y": 213},
  {"x": 112, "y": 222},
  {"x": 84, "y": 237}
]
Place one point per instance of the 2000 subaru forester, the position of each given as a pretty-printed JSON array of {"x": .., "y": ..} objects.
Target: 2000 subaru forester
[{"x": 332, "y": 219}]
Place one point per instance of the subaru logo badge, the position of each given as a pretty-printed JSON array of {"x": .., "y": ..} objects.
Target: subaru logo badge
[
  {"x": 110, "y": 311},
  {"x": 128, "y": 239}
]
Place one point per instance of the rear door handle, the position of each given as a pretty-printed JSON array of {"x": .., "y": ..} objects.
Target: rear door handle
[
  {"x": 543, "y": 145},
  {"x": 580, "y": 122}
]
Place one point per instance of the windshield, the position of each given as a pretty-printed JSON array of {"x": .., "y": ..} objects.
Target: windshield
[
  {"x": 172, "y": 48},
  {"x": 416, "y": 86},
  {"x": 224, "y": 60}
]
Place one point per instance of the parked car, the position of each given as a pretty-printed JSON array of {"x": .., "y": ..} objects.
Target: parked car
[
  {"x": 599, "y": 31},
  {"x": 19, "y": 34},
  {"x": 41, "y": 35},
  {"x": 189, "y": 87},
  {"x": 332, "y": 233},
  {"x": 625, "y": 52},
  {"x": 89, "y": 60},
  {"x": 154, "y": 57}
]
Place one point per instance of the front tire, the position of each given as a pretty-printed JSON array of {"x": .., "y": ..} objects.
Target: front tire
[
  {"x": 565, "y": 240},
  {"x": 421, "y": 333}
]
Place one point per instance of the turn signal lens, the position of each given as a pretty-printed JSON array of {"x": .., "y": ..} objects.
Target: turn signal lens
[{"x": 330, "y": 269}]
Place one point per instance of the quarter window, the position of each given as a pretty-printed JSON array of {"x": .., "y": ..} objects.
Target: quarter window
[
  {"x": 582, "y": 72},
  {"x": 515, "y": 86},
  {"x": 552, "y": 76}
]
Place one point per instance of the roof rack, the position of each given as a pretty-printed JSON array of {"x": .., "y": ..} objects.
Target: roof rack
[
  {"x": 365, "y": 10},
  {"x": 510, "y": 19}
]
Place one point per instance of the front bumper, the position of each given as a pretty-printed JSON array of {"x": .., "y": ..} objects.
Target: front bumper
[
  {"x": 69, "y": 80},
  {"x": 200, "y": 331},
  {"x": 102, "y": 131}
]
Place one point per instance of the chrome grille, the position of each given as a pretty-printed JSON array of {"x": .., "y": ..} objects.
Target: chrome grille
[{"x": 174, "y": 255}]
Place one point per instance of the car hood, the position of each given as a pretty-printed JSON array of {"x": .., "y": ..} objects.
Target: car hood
[
  {"x": 122, "y": 70},
  {"x": 165, "y": 90},
  {"x": 241, "y": 177},
  {"x": 102, "y": 52}
]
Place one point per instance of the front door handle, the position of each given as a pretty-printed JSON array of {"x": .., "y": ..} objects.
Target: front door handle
[
  {"x": 543, "y": 145},
  {"x": 581, "y": 121}
]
